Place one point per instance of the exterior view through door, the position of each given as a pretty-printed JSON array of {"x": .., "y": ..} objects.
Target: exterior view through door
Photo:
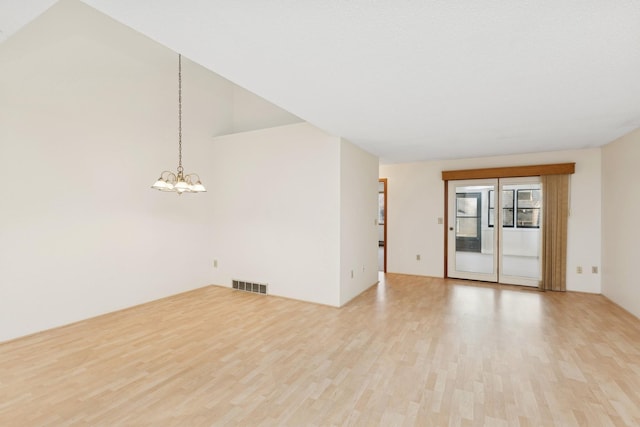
[{"x": 495, "y": 230}]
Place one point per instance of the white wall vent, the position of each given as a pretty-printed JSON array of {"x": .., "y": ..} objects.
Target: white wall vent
[{"x": 257, "y": 288}]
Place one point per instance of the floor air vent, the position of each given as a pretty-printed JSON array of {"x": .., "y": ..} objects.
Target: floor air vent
[{"x": 257, "y": 288}]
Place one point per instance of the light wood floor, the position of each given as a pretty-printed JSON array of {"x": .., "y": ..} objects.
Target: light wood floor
[{"x": 410, "y": 351}]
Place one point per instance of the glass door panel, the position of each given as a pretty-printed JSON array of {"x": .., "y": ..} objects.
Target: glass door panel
[
  {"x": 520, "y": 234},
  {"x": 471, "y": 237}
]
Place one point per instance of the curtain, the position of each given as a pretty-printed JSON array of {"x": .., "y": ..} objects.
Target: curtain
[{"x": 555, "y": 215}]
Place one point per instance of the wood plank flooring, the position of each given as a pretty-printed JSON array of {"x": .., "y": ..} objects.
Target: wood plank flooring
[{"x": 409, "y": 351}]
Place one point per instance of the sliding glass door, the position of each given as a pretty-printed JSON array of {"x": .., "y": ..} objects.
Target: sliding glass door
[{"x": 494, "y": 230}]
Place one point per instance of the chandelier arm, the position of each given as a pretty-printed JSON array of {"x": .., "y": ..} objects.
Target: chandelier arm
[{"x": 168, "y": 176}]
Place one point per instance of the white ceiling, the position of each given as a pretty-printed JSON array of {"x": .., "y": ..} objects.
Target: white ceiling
[
  {"x": 413, "y": 80},
  {"x": 15, "y": 14}
]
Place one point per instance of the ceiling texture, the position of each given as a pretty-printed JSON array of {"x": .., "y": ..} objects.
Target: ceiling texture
[{"x": 413, "y": 80}]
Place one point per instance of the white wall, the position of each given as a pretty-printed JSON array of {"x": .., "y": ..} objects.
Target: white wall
[
  {"x": 621, "y": 233},
  {"x": 358, "y": 221},
  {"x": 277, "y": 211},
  {"x": 416, "y": 200},
  {"x": 89, "y": 120},
  {"x": 250, "y": 112}
]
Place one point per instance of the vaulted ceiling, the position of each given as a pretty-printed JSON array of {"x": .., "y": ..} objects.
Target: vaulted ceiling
[{"x": 412, "y": 80}]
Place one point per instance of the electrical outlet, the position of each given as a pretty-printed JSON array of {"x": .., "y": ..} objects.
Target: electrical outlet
[
  {"x": 594, "y": 269},
  {"x": 440, "y": 221},
  {"x": 352, "y": 274},
  {"x": 215, "y": 263},
  {"x": 418, "y": 257},
  {"x": 579, "y": 269}
]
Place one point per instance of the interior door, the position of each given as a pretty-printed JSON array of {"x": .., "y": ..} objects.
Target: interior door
[{"x": 471, "y": 239}]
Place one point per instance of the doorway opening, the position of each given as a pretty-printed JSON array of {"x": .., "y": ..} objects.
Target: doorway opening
[{"x": 382, "y": 225}]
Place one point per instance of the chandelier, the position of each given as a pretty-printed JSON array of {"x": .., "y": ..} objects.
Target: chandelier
[{"x": 179, "y": 182}]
